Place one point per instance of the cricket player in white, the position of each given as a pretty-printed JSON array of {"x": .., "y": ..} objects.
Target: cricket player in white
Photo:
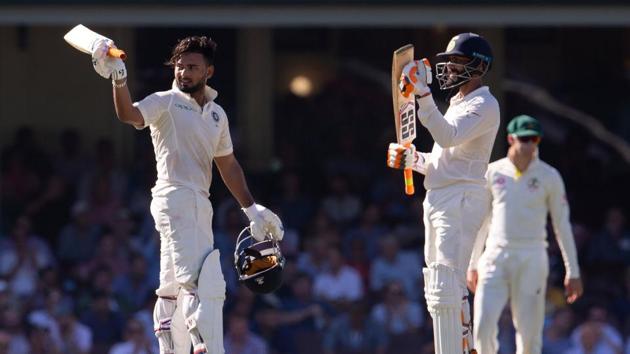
[
  {"x": 189, "y": 131},
  {"x": 454, "y": 206},
  {"x": 514, "y": 264}
]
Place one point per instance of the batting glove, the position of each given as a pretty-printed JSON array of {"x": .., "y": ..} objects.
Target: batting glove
[
  {"x": 415, "y": 78},
  {"x": 401, "y": 157},
  {"x": 263, "y": 221},
  {"x": 104, "y": 65}
]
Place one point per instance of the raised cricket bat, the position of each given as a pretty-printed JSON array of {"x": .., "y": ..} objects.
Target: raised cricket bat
[
  {"x": 404, "y": 108},
  {"x": 83, "y": 39}
]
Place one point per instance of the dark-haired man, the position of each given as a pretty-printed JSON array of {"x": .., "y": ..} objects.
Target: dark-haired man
[{"x": 189, "y": 131}]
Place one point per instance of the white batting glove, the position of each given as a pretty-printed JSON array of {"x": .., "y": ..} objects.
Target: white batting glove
[
  {"x": 401, "y": 157},
  {"x": 104, "y": 65},
  {"x": 263, "y": 221},
  {"x": 415, "y": 78}
]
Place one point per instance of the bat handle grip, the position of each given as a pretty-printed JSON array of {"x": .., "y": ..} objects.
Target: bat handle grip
[
  {"x": 116, "y": 53},
  {"x": 409, "y": 189}
]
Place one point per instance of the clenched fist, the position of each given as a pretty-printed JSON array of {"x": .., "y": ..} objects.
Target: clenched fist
[
  {"x": 401, "y": 157},
  {"x": 263, "y": 221},
  {"x": 415, "y": 78}
]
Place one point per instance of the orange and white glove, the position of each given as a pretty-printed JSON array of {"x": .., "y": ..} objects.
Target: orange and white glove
[
  {"x": 400, "y": 157},
  {"x": 263, "y": 222},
  {"x": 104, "y": 65},
  {"x": 415, "y": 78}
]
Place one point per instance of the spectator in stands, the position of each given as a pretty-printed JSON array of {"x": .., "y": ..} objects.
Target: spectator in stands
[
  {"x": 240, "y": 340},
  {"x": 5, "y": 340},
  {"x": 596, "y": 335},
  {"x": 370, "y": 229},
  {"x": 396, "y": 265},
  {"x": 314, "y": 260},
  {"x": 76, "y": 338},
  {"x": 134, "y": 287},
  {"x": 11, "y": 322},
  {"x": 301, "y": 311},
  {"x": 294, "y": 205},
  {"x": 70, "y": 164},
  {"x": 105, "y": 172},
  {"x": 40, "y": 340},
  {"x": 355, "y": 332},
  {"x": 49, "y": 209},
  {"x": 397, "y": 314},
  {"x": 77, "y": 239},
  {"x": 611, "y": 246},
  {"x": 556, "y": 336},
  {"x": 22, "y": 256},
  {"x": 341, "y": 205},
  {"x": 105, "y": 322},
  {"x": 135, "y": 340},
  {"x": 340, "y": 284}
]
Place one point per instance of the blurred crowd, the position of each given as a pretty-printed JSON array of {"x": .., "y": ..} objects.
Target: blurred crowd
[{"x": 79, "y": 255}]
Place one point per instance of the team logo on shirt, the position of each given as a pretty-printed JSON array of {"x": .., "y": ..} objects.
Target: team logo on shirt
[
  {"x": 499, "y": 180},
  {"x": 215, "y": 116},
  {"x": 533, "y": 184},
  {"x": 181, "y": 106}
]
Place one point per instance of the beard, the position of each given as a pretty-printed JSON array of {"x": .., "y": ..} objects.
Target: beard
[{"x": 191, "y": 89}]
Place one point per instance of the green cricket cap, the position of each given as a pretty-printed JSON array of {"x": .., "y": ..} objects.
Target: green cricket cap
[{"x": 524, "y": 125}]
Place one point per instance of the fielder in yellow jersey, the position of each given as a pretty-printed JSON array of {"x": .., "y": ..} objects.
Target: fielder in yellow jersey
[{"x": 514, "y": 264}]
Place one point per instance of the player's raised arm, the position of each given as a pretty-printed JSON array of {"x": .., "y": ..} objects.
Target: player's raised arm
[{"x": 114, "y": 68}]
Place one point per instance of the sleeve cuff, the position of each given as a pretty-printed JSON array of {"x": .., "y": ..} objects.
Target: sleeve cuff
[
  {"x": 224, "y": 152},
  {"x": 144, "y": 114}
]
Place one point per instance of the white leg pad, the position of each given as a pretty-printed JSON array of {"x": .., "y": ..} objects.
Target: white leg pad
[
  {"x": 444, "y": 302},
  {"x": 162, "y": 317},
  {"x": 203, "y": 310}
]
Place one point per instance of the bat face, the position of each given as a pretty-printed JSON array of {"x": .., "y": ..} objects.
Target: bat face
[
  {"x": 404, "y": 107},
  {"x": 406, "y": 131},
  {"x": 82, "y": 38}
]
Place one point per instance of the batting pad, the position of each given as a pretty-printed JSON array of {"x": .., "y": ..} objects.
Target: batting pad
[
  {"x": 162, "y": 317},
  {"x": 444, "y": 301},
  {"x": 209, "y": 315}
]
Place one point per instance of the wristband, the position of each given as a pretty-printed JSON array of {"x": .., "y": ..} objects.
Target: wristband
[{"x": 121, "y": 85}]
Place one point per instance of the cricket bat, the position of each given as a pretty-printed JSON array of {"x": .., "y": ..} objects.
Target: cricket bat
[
  {"x": 83, "y": 39},
  {"x": 404, "y": 108}
]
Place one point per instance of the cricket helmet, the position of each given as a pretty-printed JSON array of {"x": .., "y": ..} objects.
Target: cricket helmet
[
  {"x": 259, "y": 264},
  {"x": 469, "y": 45}
]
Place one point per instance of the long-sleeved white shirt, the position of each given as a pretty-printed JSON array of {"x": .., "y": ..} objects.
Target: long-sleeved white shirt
[
  {"x": 519, "y": 207},
  {"x": 463, "y": 137}
]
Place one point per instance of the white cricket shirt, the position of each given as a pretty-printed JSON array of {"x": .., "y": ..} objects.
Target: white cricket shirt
[
  {"x": 186, "y": 137},
  {"x": 463, "y": 137},
  {"x": 519, "y": 211}
]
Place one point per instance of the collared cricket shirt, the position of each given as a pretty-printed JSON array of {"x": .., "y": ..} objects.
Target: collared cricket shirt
[
  {"x": 520, "y": 204},
  {"x": 186, "y": 137}
]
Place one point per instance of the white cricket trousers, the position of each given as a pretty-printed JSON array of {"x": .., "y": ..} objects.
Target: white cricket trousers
[
  {"x": 452, "y": 217},
  {"x": 518, "y": 274},
  {"x": 184, "y": 219}
]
